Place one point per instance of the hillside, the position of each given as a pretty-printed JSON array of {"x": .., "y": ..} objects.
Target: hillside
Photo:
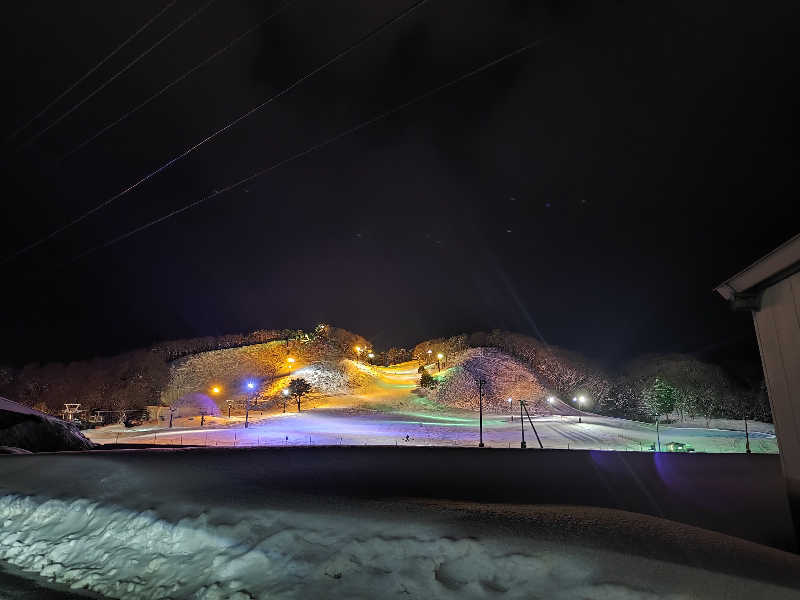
[
  {"x": 184, "y": 372},
  {"x": 505, "y": 376},
  {"x": 145, "y": 377},
  {"x": 556, "y": 371},
  {"x": 324, "y": 361}
]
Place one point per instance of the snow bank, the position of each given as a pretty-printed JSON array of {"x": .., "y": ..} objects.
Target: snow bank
[
  {"x": 240, "y": 554},
  {"x": 21, "y": 427},
  {"x": 330, "y": 523}
]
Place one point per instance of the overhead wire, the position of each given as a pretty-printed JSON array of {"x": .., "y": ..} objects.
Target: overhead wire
[
  {"x": 88, "y": 73},
  {"x": 314, "y": 148},
  {"x": 338, "y": 56},
  {"x": 176, "y": 81},
  {"x": 117, "y": 75}
]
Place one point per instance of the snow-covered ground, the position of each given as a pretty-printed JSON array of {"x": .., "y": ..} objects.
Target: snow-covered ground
[
  {"x": 440, "y": 427},
  {"x": 212, "y": 525}
]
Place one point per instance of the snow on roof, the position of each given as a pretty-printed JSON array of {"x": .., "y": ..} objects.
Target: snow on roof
[
  {"x": 781, "y": 260},
  {"x": 11, "y": 406}
]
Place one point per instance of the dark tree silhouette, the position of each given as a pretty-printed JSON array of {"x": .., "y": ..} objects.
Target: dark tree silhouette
[{"x": 297, "y": 389}]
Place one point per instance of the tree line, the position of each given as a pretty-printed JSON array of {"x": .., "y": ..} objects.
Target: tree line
[{"x": 649, "y": 387}]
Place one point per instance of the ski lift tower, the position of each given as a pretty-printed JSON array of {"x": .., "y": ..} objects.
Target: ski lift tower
[{"x": 70, "y": 410}]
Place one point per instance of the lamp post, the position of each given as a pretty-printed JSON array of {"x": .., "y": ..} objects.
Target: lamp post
[
  {"x": 171, "y": 412},
  {"x": 285, "y": 396},
  {"x": 430, "y": 356},
  {"x": 439, "y": 358},
  {"x": 370, "y": 356},
  {"x": 251, "y": 388},
  {"x": 481, "y": 383},
  {"x": 358, "y": 352},
  {"x": 290, "y": 360},
  {"x": 229, "y": 408},
  {"x": 581, "y": 400},
  {"x": 215, "y": 390}
]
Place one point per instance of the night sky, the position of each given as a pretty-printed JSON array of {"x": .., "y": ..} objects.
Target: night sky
[{"x": 592, "y": 190}]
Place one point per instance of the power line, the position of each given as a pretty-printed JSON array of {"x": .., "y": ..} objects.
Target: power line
[
  {"x": 124, "y": 70},
  {"x": 315, "y": 147},
  {"x": 80, "y": 80},
  {"x": 218, "y": 132},
  {"x": 175, "y": 82}
]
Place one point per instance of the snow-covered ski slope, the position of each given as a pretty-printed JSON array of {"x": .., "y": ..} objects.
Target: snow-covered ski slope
[
  {"x": 302, "y": 523},
  {"x": 384, "y": 406}
]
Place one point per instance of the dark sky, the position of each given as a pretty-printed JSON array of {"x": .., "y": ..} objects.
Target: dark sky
[{"x": 593, "y": 189}]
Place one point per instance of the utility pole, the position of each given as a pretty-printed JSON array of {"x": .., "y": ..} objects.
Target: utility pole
[
  {"x": 658, "y": 435},
  {"x": 481, "y": 383},
  {"x": 746, "y": 437},
  {"x": 522, "y": 425},
  {"x": 246, "y": 411}
]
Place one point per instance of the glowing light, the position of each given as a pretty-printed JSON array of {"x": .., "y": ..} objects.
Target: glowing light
[
  {"x": 215, "y": 390},
  {"x": 290, "y": 359},
  {"x": 250, "y": 385},
  {"x": 550, "y": 400},
  {"x": 509, "y": 400},
  {"x": 285, "y": 392},
  {"x": 574, "y": 399},
  {"x": 358, "y": 349},
  {"x": 440, "y": 356},
  {"x": 430, "y": 351},
  {"x": 371, "y": 355},
  {"x": 582, "y": 399}
]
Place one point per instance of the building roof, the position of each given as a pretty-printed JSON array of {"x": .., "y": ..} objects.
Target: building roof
[
  {"x": 767, "y": 270},
  {"x": 11, "y": 406}
]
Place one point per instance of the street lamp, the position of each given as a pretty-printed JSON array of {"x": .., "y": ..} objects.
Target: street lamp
[
  {"x": 430, "y": 353},
  {"x": 290, "y": 360},
  {"x": 285, "y": 395},
  {"x": 371, "y": 355},
  {"x": 439, "y": 357},
  {"x": 358, "y": 351},
  {"x": 230, "y": 402},
  {"x": 250, "y": 386},
  {"x": 581, "y": 400}
]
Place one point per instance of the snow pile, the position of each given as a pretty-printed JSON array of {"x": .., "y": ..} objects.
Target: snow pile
[
  {"x": 246, "y": 554},
  {"x": 505, "y": 378},
  {"x": 25, "y": 428}
]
